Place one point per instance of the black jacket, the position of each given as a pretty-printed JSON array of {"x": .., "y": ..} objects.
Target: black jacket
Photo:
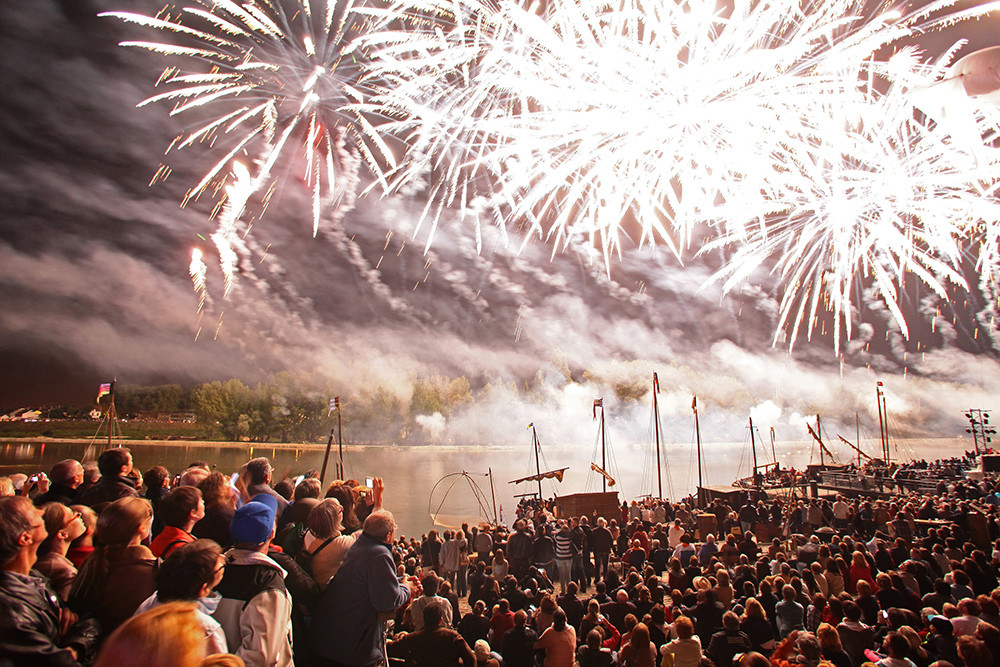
[
  {"x": 29, "y": 625},
  {"x": 108, "y": 490},
  {"x": 57, "y": 493}
]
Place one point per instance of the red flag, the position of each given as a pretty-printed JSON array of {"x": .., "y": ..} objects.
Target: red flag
[{"x": 598, "y": 403}]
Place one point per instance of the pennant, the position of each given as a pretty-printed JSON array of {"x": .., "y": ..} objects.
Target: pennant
[
  {"x": 694, "y": 404},
  {"x": 551, "y": 474},
  {"x": 104, "y": 390},
  {"x": 600, "y": 471},
  {"x": 656, "y": 383},
  {"x": 531, "y": 425},
  {"x": 598, "y": 403},
  {"x": 334, "y": 405}
]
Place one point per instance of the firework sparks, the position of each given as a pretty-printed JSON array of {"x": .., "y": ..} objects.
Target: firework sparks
[
  {"x": 764, "y": 123},
  {"x": 280, "y": 85},
  {"x": 770, "y": 125}
]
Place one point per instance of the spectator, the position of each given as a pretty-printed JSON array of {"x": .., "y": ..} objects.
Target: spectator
[
  {"x": 518, "y": 648},
  {"x": 434, "y": 645},
  {"x": 729, "y": 641},
  {"x": 324, "y": 542},
  {"x": 558, "y": 642},
  {"x": 63, "y": 526},
  {"x": 180, "y": 510},
  {"x": 83, "y": 546},
  {"x": 256, "y": 607},
  {"x": 35, "y": 628},
  {"x": 168, "y": 636},
  {"x": 365, "y": 586},
  {"x": 430, "y": 584},
  {"x": 220, "y": 506},
  {"x": 686, "y": 649},
  {"x": 190, "y": 574},
  {"x": 259, "y": 476},
  {"x": 639, "y": 650},
  {"x": 475, "y": 625},
  {"x": 65, "y": 479},
  {"x": 121, "y": 573},
  {"x": 115, "y": 466}
]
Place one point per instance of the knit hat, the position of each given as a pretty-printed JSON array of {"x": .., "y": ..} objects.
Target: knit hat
[
  {"x": 482, "y": 649},
  {"x": 252, "y": 523}
]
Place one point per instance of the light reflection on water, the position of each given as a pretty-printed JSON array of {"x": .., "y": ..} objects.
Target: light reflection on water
[{"x": 410, "y": 473}]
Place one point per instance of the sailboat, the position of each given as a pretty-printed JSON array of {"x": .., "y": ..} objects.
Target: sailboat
[{"x": 556, "y": 474}]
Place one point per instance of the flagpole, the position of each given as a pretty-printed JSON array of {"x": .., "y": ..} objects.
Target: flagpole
[
  {"x": 111, "y": 412},
  {"x": 493, "y": 493},
  {"x": 326, "y": 459},
  {"x": 340, "y": 439},
  {"x": 538, "y": 470},
  {"x": 604, "y": 465}
]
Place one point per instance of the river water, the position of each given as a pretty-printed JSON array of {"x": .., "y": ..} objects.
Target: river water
[{"x": 412, "y": 474}]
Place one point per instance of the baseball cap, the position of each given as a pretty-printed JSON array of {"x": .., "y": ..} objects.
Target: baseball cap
[{"x": 252, "y": 523}]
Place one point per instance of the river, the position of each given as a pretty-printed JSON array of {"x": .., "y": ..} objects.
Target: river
[{"x": 412, "y": 473}]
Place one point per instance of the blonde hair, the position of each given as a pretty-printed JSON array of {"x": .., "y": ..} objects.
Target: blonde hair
[{"x": 168, "y": 636}]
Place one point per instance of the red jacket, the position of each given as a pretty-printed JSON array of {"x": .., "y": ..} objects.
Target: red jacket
[{"x": 169, "y": 539}]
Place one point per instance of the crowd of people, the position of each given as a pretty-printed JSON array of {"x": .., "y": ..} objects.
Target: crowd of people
[{"x": 102, "y": 566}]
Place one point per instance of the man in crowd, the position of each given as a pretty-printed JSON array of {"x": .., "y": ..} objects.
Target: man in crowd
[
  {"x": 115, "y": 465},
  {"x": 260, "y": 473},
  {"x": 430, "y": 584},
  {"x": 35, "y": 629},
  {"x": 256, "y": 608},
  {"x": 365, "y": 588},
  {"x": 65, "y": 478},
  {"x": 434, "y": 645}
]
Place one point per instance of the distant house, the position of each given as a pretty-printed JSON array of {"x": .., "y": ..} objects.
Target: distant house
[{"x": 30, "y": 415}]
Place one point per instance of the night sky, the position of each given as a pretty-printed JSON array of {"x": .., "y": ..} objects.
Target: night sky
[{"x": 94, "y": 278}]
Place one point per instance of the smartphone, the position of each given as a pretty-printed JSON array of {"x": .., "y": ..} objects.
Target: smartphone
[
  {"x": 33, "y": 478},
  {"x": 369, "y": 482}
]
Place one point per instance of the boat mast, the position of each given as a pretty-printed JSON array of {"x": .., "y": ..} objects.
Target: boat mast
[
  {"x": 697, "y": 435},
  {"x": 819, "y": 431},
  {"x": 656, "y": 426},
  {"x": 753, "y": 448},
  {"x": 774, "y": 457},
  {"x": 538, "y": 470},
  {"x": 604, "y": 464},
  {"x": 493, "y": 493},
  {"x": 883, "y": 419},
  {"x": 857, "y": 436}
]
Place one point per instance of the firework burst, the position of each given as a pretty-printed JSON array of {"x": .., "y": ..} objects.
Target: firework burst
[{"x": 770, "y": 125}]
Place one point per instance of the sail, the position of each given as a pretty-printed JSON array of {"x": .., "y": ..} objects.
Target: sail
[
  {"x": 551, "y": 474},
  {"x": 601, "y": 471}
]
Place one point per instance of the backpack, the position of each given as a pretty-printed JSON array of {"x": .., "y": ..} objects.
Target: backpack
[{"x": 305, "y": 558}]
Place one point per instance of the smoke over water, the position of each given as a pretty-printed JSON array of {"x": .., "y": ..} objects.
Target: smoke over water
[{"x": 94, "y": 271}]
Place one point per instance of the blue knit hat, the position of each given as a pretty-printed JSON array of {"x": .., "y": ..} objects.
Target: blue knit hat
[{"x": 252, "y": 523}]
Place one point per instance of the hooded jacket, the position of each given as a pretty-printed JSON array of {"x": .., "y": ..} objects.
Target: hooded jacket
[{"x": 256, "y": 609}]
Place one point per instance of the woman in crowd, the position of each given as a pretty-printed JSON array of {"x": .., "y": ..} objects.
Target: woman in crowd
[
  {"x": 558, "y": 642},
  {"x": 755, "y": 625},
  {"x": 121, "y": 573},
  {"x": 63, "y": 526},
  {"x": 686, "y": 649},
  {"x": 323, "y": 542},
  {"x": 190, "y": 574},
  {"x": 220, "y": 505},
  {"x": 639, "y": 651}
]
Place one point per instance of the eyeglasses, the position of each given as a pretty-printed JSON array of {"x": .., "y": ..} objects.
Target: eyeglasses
[{"x": 69, "y": 521}]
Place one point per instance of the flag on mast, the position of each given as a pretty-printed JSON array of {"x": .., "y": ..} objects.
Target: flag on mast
[
  {"x": 104, "y": 390},
  {"x": 601, "y": 471},
  {"x": 598, "y": 403},
  {"x": 656, "y": 383},
  {"x": 334, "y": 405}
]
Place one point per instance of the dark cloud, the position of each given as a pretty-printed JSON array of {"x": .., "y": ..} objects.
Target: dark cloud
[{"x": 94, "y": 262}]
